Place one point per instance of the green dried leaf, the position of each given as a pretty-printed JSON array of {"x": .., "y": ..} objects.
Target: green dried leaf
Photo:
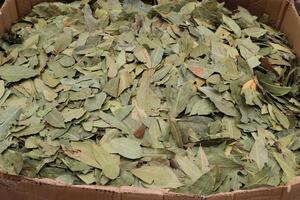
[
  {"x": 223, "y": 105},
  {"x": 55, "y": 119},
  {"x": 146, "y": 98},
  {"x": 232, "y": 25},
  {"x": 156, "y": 56},
  {"x": 16, "y": 73},
  {"x": 82, "y": 151},
  {"x": 126, "y": 147},
  {"x": 63, "y": 40},
  {"x": 188, "y": 167},
  {"x": 2, "y": 88},
  {"x": 70, "y": 114},
  {"x": 142, "y": 55},
  {"x": 287, "y": 169},
  {"x": 157, "y": 176},
  {"x": 8, "y": 117},
  {"x": 255, "y": 32},
  {"x": 11, "y": 162},
  {"x": 4, "y": 144},
  {"x": 114, "y": 122},
  {"x": 121, "y": 93},
  {"x": 109, "y": 163},
  {"x": 259, "y": 152},
  {"x": 95, "y": 103},
  {"x": 271, "y": 87},
  {"x": 179, "y": 102}
]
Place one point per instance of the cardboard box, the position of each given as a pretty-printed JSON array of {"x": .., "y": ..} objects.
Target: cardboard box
[{"x": 283, "y": 15}]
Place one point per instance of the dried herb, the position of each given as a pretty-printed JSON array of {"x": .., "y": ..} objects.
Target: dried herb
[{"x": 184, "y": 95}]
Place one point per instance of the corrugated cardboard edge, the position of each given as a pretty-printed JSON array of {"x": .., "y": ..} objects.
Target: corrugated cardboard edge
[
  {"x": 290, "y": 26},
  {"x": 282, "y": 14},
  {"x": 8, "y": 14},
  {"x": 16, "y": 187}
]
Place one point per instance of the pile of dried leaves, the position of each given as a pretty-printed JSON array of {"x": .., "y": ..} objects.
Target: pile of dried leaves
[{"x": 184, "y": 95}]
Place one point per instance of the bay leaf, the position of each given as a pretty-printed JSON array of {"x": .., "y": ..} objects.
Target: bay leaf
[
  {"x": 70, "y": 114},
  {"x": 165, "y": 97},
  {"x": 281, "y": 48},
  {"x": 156, "y": 56},
  {"x": 202, "y": 107},
  {"x": 189, "y": 167},
  {"x": 271, "y": 87},
  {"x": 112, "y": 67},
  {"x": 123, "y": 112},
  {"x": 96, "y": 102},
  {"x": 221, "y": 104},
  {"x": 9, "y": 115},
  {"x": 204, "y": 185},
  {"x": 287, "y": 169},
  {"x": 203, "y": 160},
  {"x": 179, "y": 102},
  {"x": 232, "y": 25},
  {"x": 88, "y": 178},
  {"x": 230, "y": 128},
  {"x": 121, "y": 59},
  {"x": 114, "y": 122},
  {"x": 75, "y": 165},
  {"x": 112, "y": 87},
  {"x": 4, "y": 144},
  {"x": 176, "y": 132},
  {"x": 31, "y": 42},
  {"x": 142, "y": 55},
  {"x": 283, "y": 119},
  {"x": 109, "y": 163},
  {"x": 248, "y": 48},
  {"x": 11, "y": 162},
  {"x": 158, "y": 176},
  {"x": 125, "y": 147},
  {"x": 33, "y": 128},
  {"x": 15, "y": 73},
  {"x": 90, "y": 22},
  {"x": 82, "y": 151},
  {"x": 2, "y": 88},
  {"x": 155, "y": 135},
  {"x": 55, "y": 119},
  {"x": 259, "y": 178},
  {"x": 255, "y": 32},
  {"x": 47, "y": 92},
  {"x": 63, "y": 40},
  {"x": 125, "y": 82},
  {"x": 146, "y": 98},
  {"x": 259, "y": 152}
]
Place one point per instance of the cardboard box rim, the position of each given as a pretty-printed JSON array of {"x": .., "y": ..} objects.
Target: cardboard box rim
[{"x": 283, "y": 15}]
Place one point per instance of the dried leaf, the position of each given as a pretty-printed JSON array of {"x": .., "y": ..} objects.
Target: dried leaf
[
  {"x": 109, "y": 163},
  {"x": 126, "y": 147},
  {"x": 157, "y": 176},
  {"x": 8, "y": 117},
  {"x": 70, "y": 114},
  {"x": 142, "y": 55},
  {"x": 156, "y": 56},
  {"x": 232, "y": 25},
  {"x": 2, "y": 88},
  {"x": 55, "y": 119},
  {"x": 259, "y": 152},
  {"x": 189, "y": 167},
  {"x": 223, "y": 105},
  {"x": 63, "y": 40},
  {"x": 146, "y": 98},
  {"x": 16, "y": 73}
]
